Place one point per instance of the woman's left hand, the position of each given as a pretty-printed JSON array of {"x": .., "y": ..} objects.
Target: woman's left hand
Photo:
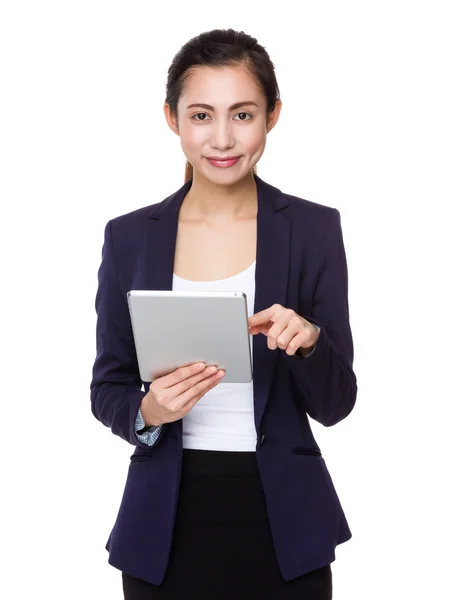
[{"x": 284, "y": 329}]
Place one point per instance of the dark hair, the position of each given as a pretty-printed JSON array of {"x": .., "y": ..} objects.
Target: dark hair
[{"x": 221, "y": 47}]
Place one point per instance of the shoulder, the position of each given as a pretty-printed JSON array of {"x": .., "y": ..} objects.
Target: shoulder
[
  {"x": 298, "y": 206},
  {"x": 140, "y": 216},
  {"x": 126, "y": 231},
  {"x": 309, "y": 216},
  {"x": 313, "y": 223},
  {"x": 301, "y": 207},
  {"x": 133, "y": 217}
]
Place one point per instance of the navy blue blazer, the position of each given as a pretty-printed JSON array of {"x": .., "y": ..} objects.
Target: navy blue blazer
[{"x": 301, "y": 264}]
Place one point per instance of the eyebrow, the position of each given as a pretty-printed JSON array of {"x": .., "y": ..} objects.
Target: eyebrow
[{"x": 234, "y": 106}]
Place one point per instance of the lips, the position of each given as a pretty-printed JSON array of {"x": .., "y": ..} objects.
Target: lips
[
  {"x": 228, "y": 161},
  {"x": 222, "y": 157}
]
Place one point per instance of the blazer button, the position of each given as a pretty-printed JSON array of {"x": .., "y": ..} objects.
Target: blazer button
[{"x": 262, "y": 438}]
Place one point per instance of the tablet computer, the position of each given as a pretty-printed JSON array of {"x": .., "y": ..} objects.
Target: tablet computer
[{"x": 176, "y": 328}]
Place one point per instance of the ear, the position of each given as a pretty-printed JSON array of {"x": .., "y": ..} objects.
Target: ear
[
  {"x": 170, "y": 118},
  {"x": 273, "y": 116}
]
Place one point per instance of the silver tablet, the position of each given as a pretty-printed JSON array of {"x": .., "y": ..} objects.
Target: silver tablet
[{"x": 176, "y": 328}]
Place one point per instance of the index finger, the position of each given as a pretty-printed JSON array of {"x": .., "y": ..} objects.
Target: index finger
[
  {"x": 179, "y": 374},
  {"x": 184, "y": 372},
  {"x": 261, "y": 317}
]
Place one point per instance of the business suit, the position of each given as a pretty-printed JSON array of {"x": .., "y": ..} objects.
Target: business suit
[{"x": 301, "y": 264}]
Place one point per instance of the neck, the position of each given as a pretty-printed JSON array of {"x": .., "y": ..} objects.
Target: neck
[{"x": 208, "y": 200}]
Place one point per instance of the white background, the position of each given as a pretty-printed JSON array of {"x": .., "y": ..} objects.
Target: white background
[{"x": 364, "y": 128}]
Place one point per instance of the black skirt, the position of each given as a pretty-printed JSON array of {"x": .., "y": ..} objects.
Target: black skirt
[{"x": 222, "y": 545}]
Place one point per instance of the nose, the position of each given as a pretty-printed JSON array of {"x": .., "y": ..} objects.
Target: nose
[{"x": 222, "y": 135}]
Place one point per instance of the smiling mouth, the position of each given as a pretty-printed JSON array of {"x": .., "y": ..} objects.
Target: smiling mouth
[{"x": 227, "y": 162}]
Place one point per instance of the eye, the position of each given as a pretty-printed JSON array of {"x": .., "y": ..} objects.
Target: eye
[
  {"x": 245, "y": 113},
  {"x": 204, "y": 114}
]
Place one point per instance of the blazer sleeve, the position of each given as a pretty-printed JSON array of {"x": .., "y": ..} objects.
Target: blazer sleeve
[
  {"x": 116, "y": 387},
  {"x": 148, "y": 435},
  {"x": 325, "y": 381}
]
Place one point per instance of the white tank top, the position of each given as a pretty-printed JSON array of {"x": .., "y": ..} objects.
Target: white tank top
[{"x": 223, "y": 419}]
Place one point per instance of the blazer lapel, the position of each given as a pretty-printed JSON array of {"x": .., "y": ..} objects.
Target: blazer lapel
[{"x": 272, "y": 267}]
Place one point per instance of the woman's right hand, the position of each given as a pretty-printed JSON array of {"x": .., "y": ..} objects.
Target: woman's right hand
[{"x": 172, "y": 396}]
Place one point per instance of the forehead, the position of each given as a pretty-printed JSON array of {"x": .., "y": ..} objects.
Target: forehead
[{"x": 220, "y": 86}]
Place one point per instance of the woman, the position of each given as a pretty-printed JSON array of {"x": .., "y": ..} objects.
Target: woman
[{"x": 227, "y": 493}]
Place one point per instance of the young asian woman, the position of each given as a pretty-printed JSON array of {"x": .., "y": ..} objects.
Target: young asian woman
[{"x": 227, "y": 491}]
